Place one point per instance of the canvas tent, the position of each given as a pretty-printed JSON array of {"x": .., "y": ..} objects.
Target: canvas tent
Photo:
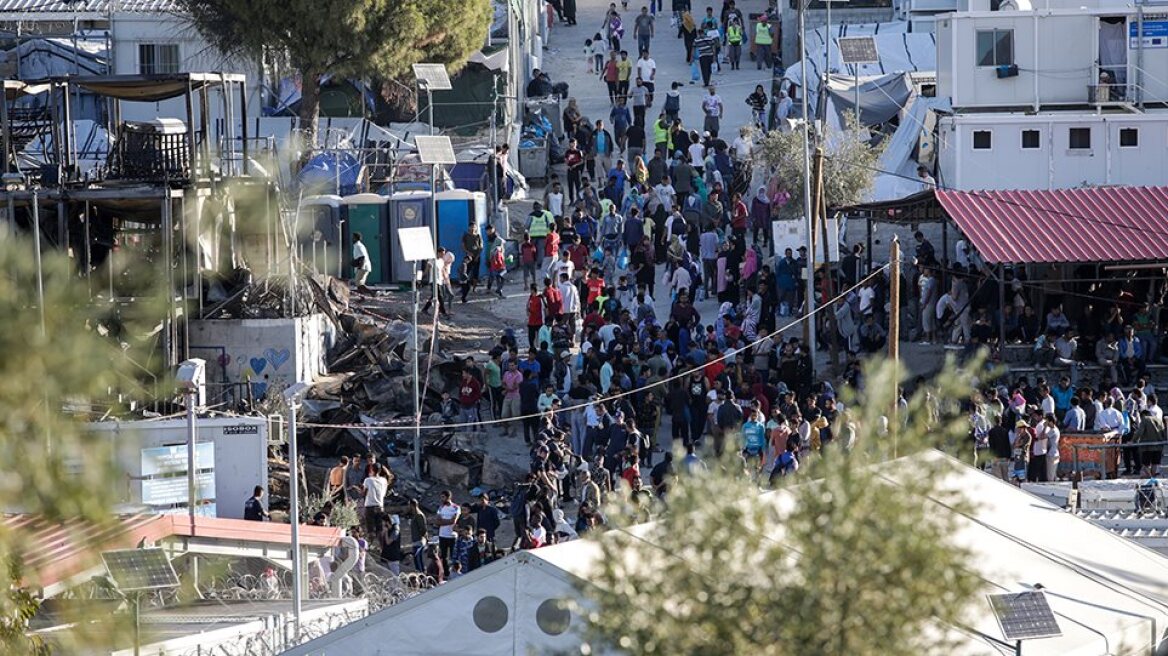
[
  {"x": 902, "y": 155},
  {"x": 1108, "y": 594},
  {"x": 477, "y": 90},
  {"x": 899, "y": 52}
]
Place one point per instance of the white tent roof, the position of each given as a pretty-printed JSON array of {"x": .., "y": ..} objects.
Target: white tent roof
[
  {"x": 899, "y": 52},
  {"x": 897, "y": 158},
  {"x": 1110, "y": 596}
]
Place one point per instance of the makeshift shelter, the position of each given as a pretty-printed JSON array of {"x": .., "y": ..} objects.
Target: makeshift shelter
[
  {"x": 476, "y": 93},
  {"x": 911, "y": 145},
  {"x": 335, "y": 172},
  {"x": 899, "y": 52},
  {"x": 1006, "y": 230},
  {"x": 1107, "y": 593}
]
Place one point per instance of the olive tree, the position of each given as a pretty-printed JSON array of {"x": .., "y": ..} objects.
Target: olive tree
[{"x": 849, "y": 557}]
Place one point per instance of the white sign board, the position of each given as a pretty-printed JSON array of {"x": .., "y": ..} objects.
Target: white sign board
[
  {"x": 792, "y": 233},
  {"x": 417, "y": 244}
]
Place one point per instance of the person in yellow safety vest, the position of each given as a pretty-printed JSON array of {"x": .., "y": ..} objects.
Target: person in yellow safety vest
[
  {"x": 763, "y": 39},
  {"x": 661, "y": 133},
  {"x": 539, "y": 223},
  {"x": 734, "y": 40}
]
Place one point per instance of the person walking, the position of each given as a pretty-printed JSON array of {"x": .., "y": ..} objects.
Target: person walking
[
  {"x": 496, "y": 261},
  {"x": 734, "y": 38},
  {"x": 362, "y": 265},
  {"x": 643, "y": 27},
  {"x": 472, "y": 251},
  {"x": 574, "y": 161},
  {"x": 763, "y": 41},
  {"x": 704, "y": 49},
  {"x": 712, "y": 108}
]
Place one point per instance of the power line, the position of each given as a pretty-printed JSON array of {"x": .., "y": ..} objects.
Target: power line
[{"x": 612, "y": 397}]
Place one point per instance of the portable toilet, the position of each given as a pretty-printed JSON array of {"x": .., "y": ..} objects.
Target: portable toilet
[
  {"x": 366, "y": 214},
  {"x": 456, "y": 209},
  {"x": 407, "y": 209},
  {"x": 319, "y": 238}
]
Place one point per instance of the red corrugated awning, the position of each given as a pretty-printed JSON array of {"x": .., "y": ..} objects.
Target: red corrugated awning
[{"x": 1109, "y": 224}]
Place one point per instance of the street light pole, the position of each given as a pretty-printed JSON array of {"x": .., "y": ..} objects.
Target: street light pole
[
  {"x": 433, "y": 204},
  {"x": 294, "y": 510},
  {"x": 417, "y": 385},
  {"x": 292, "y": 397}
]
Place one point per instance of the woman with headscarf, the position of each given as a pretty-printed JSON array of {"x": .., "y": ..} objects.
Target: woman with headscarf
[
  {"x": 760, "y": 219},
  {"x": 572, "y": 117},
  {"x": 750, "y": 267},
  {"x": 725, "y": 318},
  {"x": 640, "y": 171},
  {"x": 676, "y": 253}
]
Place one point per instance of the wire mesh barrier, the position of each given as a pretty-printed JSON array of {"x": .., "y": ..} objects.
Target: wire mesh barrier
[{"x": 378, "y": 590}]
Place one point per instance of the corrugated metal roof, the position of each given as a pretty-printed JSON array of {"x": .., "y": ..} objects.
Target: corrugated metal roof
[
  {"x": 1107, "y": 224},
  {"x": 59, "y": 551},
  {"x": 86, "y": 6}
]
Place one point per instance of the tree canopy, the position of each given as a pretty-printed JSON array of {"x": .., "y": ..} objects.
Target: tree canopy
[
  {"x": 852, "y": 561},
  {"x": 53, "y": 468},
  {"x": 849, "y": 166},
  {"x": 345, "y": 38}
]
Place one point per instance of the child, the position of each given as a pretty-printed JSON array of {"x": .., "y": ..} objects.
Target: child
[
  {"x": 624, "y": 292},
  {"x": 589, "y": 58},
  {"x": 608, "y": 265},
  {"x": 673, "y": 102},
  {"x": 598, "y": 50},
  {"x": 449, "y": 409}
]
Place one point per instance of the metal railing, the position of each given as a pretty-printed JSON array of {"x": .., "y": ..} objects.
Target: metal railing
[{"x": 1106, "y": 448}]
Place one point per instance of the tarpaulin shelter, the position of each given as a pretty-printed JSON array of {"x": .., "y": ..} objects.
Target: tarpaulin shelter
[{"x": 336, "y": 172}]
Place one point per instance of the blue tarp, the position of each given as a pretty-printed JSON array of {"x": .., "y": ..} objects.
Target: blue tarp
[{"x": 331, "y": 173}]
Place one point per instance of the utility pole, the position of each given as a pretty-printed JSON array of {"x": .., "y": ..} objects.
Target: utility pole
[
  {"x": 809, "y": 283},
  {"x": 828, "y": 292},
  {"x": 894, "y": 336}
]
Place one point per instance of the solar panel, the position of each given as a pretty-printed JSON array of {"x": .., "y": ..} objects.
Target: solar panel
[
  {"x": 1025, "y": 615},
  {"x": 435, "y": 150},
  {"x": 432, "y": 77},
  {"x": 858, "y": 50},
  {"x": 140, "y": 569}
]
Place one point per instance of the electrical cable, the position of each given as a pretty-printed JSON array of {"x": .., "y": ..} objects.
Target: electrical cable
[{"x": 409, "y": 427}]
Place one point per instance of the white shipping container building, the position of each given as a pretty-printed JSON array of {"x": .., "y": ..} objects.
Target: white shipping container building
[
  {"x": 1063, "y": 95},
  {"x": 231, "y": 458}
]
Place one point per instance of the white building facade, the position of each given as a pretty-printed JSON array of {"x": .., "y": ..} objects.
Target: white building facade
[
  {"x": 141, "y": 37},
  {"x": 1052, "y": 98}
]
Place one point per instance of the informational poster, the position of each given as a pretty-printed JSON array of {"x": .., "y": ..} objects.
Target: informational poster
[
  {"x": 164, "y": 476},
  {"x": 1154, "y": 33}
]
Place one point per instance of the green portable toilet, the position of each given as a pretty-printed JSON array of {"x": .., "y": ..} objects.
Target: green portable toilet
[{"x": 368, "y": 215}]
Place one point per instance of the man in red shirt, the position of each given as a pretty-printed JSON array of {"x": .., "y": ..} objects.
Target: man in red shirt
[
  {"x": 534, "y": 315},
  {"x": 716, "y": 365},
  {"x": 595, "y": 285},
  {"x": 553, "y": 301},
  {"x": 469, "y": 393},
  {"x": 579, "y": 255}
]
